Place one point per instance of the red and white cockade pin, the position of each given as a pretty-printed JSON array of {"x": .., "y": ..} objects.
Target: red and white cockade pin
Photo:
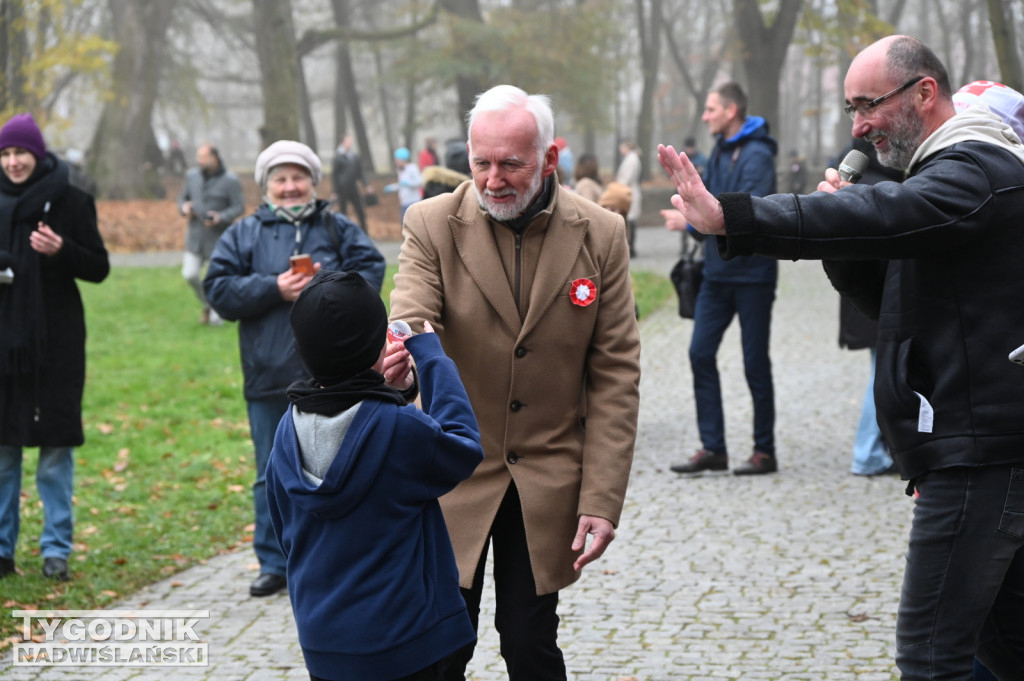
[{"x": 582, "y": 292}]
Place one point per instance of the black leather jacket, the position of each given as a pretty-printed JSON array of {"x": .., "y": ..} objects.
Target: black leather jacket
[{"x": 951, "y": 306}]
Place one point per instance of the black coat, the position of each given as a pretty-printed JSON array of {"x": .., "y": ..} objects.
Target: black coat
[
  {"x": 858, "y": 327},
  {"x": 43, "y": 406}
]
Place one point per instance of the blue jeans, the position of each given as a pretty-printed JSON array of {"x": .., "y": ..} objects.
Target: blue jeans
[
  {"x": 963, "y": 588},
  {"x": 717, "y": 304},
  {"x": 264, "y": 415},
  {"x": 869, "y": 453},
  {"x": 55, "y": 480}
]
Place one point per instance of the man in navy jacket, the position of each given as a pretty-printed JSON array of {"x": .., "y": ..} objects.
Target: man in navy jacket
[{"x": 743, "y": 160}]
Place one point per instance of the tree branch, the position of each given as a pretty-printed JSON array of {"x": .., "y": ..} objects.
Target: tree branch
[
  {"x": 677, "y": 57},
  {"x": 313, "y": 39}
]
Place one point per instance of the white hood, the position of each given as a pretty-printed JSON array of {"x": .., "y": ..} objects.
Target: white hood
[{"x": 974, "y": 124}]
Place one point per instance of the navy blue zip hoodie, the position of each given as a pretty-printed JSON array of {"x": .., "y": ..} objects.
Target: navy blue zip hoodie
[
  {"x": 371, "y": 573},
  {"x": 743, "y": 163}
]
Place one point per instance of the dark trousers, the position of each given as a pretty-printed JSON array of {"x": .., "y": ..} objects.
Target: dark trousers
[
  {"x": 347, "y": 195},
  {"x": 963, "y": 589},
  {"x": 527, "y": 624},
  {"x": 717, "y": 304}
]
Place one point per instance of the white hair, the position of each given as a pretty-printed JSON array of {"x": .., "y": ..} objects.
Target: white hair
[{"x": 505, "y": 97}]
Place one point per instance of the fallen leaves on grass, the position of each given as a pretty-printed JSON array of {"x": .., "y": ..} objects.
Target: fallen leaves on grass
[{"x": 141, "y": 225}]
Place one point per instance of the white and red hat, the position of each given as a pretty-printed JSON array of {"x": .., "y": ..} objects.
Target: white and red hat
[{"x": 1002, "y": 100}]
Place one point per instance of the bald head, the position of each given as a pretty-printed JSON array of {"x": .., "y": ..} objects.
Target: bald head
[
  {"x": 898, "y": 59},
  {"x": 902, "y": 93},
  {"x": 207, "y": 158},
  {"x": 907, "y": 57}
]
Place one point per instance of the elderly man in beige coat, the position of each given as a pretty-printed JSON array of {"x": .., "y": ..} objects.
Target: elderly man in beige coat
[{"x": 528, "y": 287}]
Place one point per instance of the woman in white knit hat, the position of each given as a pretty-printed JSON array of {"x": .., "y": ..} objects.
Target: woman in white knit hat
[{"x": 251, "y": 279}]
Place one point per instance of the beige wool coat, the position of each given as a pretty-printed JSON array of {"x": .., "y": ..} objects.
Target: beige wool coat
[{"x": 533, "y": 372}]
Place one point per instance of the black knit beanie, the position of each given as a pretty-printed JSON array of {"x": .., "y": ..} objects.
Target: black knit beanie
[{"x": 339, "y": 322}]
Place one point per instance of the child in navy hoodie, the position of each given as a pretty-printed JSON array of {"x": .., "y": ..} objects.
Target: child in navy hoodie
[{"x": 353, "y": 483}]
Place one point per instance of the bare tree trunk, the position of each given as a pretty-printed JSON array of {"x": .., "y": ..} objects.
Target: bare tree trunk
[
  {"x": 346, "y": 92},
  {"x": 467, "y": 86},
  {"x": 124, "y": 136},
  {"x": 895, "y": 12},
  {"x": 764, "y": 52},
  {"x": 343, "y": 75},
  {"x": 308, "y": 126},
  {"x": 1000, "y": 16},
  {"x": 696, "y": 86},
  {"x": 972, "y": 38},
  {"x": 385, "y": 109},
  {"x": 650, "y": 57},
  {"x": 5, "y": 57},
  {"x": 279, "y": 73},
  {"x": 818, "y": 68},
  {"x": 14, "y": 56},
  {"x": 409, "y": 127},
  {"x": 947, "y": 37}
]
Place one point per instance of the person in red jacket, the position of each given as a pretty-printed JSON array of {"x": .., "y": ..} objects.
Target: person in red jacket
[{"x": 428, "y": 156}]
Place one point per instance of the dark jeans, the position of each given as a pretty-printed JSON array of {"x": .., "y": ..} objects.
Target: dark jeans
[
  {"x": 717, "y": 304},
  {"x": 348, "y": 195},
  {"x": 527, "y": 624},
  {"x": 963, "y": 589},
  {"x": 264, "y": 415}
]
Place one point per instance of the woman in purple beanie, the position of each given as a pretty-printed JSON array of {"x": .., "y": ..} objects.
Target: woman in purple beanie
[{"x": 48, "y": 239}]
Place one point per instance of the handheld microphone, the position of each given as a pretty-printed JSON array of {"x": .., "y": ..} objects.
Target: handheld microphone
[{"x": 853, "y": 166}]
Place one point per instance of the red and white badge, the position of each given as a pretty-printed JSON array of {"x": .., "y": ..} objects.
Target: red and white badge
[{"x": 582, "y": 292}]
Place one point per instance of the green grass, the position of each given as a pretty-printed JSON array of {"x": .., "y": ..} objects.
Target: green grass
[
  {"x": 164, "y": 479},
  {"x": 651, "y": 291}
]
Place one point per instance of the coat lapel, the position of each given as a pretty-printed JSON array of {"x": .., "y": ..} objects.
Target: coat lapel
[
  {"x": 479, "y": 253},
  {"x": 562, "y": 244}
]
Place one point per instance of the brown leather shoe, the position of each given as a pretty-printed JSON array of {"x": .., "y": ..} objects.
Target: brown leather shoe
[
  {"x": 758, "y": 464},
  {"x": 703, "y": 460}
]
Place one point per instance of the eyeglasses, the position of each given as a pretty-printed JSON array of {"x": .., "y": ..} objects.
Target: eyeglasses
[{"x": 865, "y": 108}]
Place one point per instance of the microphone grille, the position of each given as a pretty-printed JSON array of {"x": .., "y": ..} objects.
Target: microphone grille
[{"x": 857, "y": 161}]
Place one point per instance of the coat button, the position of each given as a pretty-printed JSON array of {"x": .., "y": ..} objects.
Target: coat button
[
  {"x": 512, "y": 457},
  {"x": 521, "y": 352},
  {"x": 516, "y": 405}
]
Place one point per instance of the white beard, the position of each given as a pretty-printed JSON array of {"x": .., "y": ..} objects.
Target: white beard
[{"x": 503, "y": 212}]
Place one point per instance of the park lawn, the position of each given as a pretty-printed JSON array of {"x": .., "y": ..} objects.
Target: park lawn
[{"x": 164, "y": 479}]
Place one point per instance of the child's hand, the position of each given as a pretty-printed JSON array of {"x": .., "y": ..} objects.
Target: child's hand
[
  {"x": 397, "y": 367},
  {"x": 427, "y": 328}
]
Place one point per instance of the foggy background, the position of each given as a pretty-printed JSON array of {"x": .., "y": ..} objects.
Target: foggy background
[{"x": 123, "y": 79}]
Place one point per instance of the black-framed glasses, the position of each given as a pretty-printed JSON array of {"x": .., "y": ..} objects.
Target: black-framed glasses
[{"x": 865, "y": 108}]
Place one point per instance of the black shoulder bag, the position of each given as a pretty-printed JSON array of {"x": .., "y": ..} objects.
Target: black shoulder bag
[{"x": 687, "y": 275}]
